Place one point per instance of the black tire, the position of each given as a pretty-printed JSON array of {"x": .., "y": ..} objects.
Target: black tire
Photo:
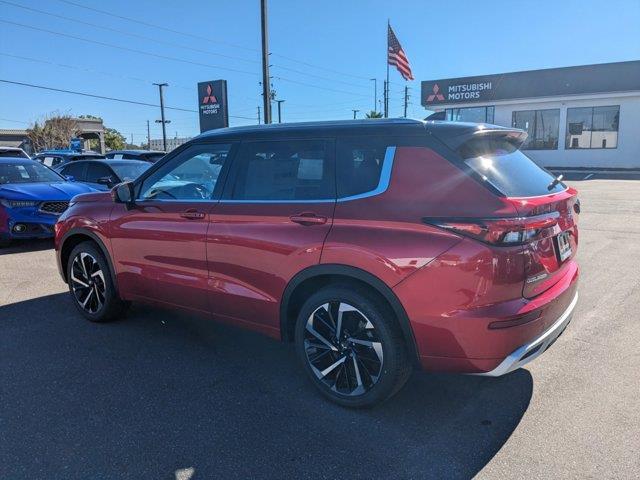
[
  {"x": 101, "y": 291},
  {"x": 394, "y": 364}
]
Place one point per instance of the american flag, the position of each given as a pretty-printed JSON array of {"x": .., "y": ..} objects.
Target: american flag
[{"x": 396, "y": 56}]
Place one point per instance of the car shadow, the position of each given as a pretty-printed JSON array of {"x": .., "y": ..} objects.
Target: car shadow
[
  {"x": 23, "y": 246},
  {"x": 165, "y": 395}
]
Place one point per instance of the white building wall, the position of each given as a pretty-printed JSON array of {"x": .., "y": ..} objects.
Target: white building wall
[{"x": 627, "y": 153}]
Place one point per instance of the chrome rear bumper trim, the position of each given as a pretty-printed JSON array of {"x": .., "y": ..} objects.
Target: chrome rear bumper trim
[{"x": 523, "y": 355}]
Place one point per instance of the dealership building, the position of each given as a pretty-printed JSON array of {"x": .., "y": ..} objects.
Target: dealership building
[{"x": 576, "y": 117}]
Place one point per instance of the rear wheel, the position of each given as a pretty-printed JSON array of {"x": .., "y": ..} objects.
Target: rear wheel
[
  {"x": 91, "y": 285},
  {"x": 351, "y": 346}
]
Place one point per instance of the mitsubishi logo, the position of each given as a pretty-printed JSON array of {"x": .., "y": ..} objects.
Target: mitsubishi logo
[
  {"x": 436, "y": 94},
  {"x": 209, "y": 98}
]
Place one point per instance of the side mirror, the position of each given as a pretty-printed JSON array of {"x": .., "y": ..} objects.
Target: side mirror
[
  {"x": 123, "y": 193},
  {"x": 71, "y": 178},
  {"x": 108, "y": 181}
]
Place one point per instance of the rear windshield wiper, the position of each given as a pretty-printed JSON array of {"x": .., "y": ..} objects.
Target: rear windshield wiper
[{"x": 555, "y": 182}]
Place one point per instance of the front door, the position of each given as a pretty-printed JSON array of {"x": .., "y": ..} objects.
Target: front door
[
  {"x": 276, "y": 212},
  {"x": 160, "y": 244}
]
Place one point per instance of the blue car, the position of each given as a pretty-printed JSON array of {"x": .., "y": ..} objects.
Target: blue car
[
  {"x": 103, "y": 174},
  {"x": 32, "y": 197}
]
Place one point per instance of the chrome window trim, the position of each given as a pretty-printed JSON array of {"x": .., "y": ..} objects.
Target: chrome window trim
[{"x": 383, "y": 185}]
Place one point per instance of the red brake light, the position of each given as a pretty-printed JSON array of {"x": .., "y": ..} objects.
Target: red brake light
[{"x": 499, "y": 231}]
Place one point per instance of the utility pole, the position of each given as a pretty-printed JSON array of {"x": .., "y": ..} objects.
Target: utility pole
[
  {"x": 259, "y": 118},
  {"x": 386, "y": 97},
  {"x": 132, "y": 139},
  {"x": 162, "y": 119},
  {"x": 354, "y": 113},
  {"x": 266, "y": 94},
  {"x": 406, "y": 99},
  {"x": 148, "y": 136},
  {"x": 279, "y": 112},
  {"x": 375, "y": 93}
]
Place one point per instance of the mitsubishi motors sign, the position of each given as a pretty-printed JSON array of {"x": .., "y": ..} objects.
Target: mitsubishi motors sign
[
  {"x": 213, "y": 108},
  {"x": 601, "y": 78}
]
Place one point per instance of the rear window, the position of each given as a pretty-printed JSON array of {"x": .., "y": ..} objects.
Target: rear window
[{"x": 501, "y": 164}]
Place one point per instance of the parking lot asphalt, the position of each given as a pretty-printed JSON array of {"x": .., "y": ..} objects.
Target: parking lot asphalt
[{"x": 162, "y": 395}]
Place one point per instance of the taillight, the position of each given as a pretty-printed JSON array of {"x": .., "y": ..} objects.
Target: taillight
[{"x": 499, "y": 231}]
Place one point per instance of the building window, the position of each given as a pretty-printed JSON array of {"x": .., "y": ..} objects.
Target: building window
[
  {"x": 542, "y": 127},
  {"x": 470, "y": 114},
  {"x": 592, "y": 127}
]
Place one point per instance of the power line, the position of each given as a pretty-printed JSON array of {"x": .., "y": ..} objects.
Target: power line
[
  {"x": 320, "y": 77},
  {"x": 141, "y": 52},
  {"x": 320, "y": 87},
  {"x": 199, "y": 37},
  {"x": 102, "y": 97},
  {"x": 160, "y": 27},
  {"x": 131, "y": 34}
]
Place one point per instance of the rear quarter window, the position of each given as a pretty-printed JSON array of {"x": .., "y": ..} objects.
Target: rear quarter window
[{"x": 502, "y": 165}]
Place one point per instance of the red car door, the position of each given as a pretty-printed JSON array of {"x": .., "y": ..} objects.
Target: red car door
[
  {"x": 275, "y": 214},
  {"x": 160, "y": 244}
]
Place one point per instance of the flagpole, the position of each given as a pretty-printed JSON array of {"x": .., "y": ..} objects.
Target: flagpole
[{"x": 386, "y": 88}]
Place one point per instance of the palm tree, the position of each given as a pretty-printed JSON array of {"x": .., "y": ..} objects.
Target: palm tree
[{"x": 373, "y": 114}]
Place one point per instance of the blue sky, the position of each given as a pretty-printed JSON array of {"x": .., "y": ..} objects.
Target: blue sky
[{"x": 323, "y": 53}]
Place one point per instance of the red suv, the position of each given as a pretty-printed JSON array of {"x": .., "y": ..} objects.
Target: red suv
[{"x": 373, "y": 245}]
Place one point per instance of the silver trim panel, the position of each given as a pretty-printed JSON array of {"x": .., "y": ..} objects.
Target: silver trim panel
[{"x": 520, "y": 356}]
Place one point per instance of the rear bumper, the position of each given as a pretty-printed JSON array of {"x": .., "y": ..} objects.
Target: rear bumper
[{"x": 533, "y": 349}]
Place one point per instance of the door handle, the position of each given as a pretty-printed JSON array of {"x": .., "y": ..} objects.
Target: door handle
[
  {"x": 192, "y": 214},
  {"x": 308, "y": 219}
]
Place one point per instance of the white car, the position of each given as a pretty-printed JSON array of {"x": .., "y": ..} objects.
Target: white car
[{"x": 15, "y": 152}]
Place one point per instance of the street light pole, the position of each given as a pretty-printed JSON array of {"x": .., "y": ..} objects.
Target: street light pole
[
  {"x": 279, "y": 112},
  {"x": 375, "y": 93},
  {"x": 162, "y": 119},
  {"x": 354, "y": 113},
  {"x": 266, "y": 94}
]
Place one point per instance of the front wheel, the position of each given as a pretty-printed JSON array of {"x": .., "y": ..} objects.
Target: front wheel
[
  {"x": 91, "y": 285},
  {"x": 351, "y": 346}
]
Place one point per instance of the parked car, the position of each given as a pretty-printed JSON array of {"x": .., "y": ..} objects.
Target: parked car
[
  {"x": 103, "y": 174},
  {"x": 55, "y": 158},
  {"x": 373, "y": 245},
  {"x": 151, "y": 156},
  {"x": 13, "y": 152},
  {"x": 32, "y": 196}
]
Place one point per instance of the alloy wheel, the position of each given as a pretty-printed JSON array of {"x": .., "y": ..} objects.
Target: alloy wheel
[
  {"x": 87, "y": 281},
  {"x": 343, "y": 348}
]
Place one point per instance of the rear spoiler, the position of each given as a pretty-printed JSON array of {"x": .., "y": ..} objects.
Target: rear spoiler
[{"x": 455, "y": 139}]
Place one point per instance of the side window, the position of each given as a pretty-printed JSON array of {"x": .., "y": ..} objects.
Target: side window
[
  {"x": 96, "y": 171},
  {"x": 76, "y": 170},
  {"x": 284, "y": 170},
  {"x": 191, "y": 175},
  {"x": 359, "y": 165}
]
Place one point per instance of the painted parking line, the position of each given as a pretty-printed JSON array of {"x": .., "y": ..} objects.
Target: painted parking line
[{"x": 588, "y": 176}]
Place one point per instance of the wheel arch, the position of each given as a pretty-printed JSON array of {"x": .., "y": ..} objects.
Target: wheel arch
[
  {"x": 76, "y": 236},
  {"x": 316, "y": 276}
]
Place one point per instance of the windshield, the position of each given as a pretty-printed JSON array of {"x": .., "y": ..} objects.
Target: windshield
[
  {"x": 510, "y": 171},
  {"x": 152, "y": 157},
  {"x": 129, "y": 171},
  {"x": 27, "y": 172}
]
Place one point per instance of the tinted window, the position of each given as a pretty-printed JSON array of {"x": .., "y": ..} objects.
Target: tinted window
[
  {"x": 191, "y": 175},
  {"x": 470, "y": 114},
  {"x": 542, "y": 126},
  {"x": 27, "y": 172},
  {"x": 284, "y": 170},
  {"x": 509, "y": 170},
  {"x": 359, "y": 164},
  {"x": 76, "y": 170},
  {"x": 96, "y": 170},
  {"x": 51, "y": 161}
]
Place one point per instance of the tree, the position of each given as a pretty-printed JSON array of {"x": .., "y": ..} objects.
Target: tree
[
  {"x": 113, "y": 139},
  {"x": 373, "y": 114},
  {"x": 54, "y": 132}
]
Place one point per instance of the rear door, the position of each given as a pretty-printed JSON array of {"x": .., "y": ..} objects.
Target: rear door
[
  {"x": 534, "y": 193},
  {"x": 270, "y": 224}
]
